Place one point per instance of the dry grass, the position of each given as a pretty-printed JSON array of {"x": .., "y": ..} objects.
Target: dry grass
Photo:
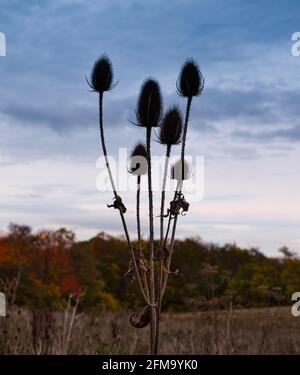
[{"x": 254, "y": 331}]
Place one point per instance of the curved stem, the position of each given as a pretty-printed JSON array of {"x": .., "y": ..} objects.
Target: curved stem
[
  {"x": 178, "y": 193},
  {"x": 163, "y": 195},
  {"x": 186, "y": 121},
  {"x": 165, "y": 281},
  {"x": 151, "y": 238},
  {"x": 102, "y": 138},
  {"x": 138, "y": 221},
  {"x": 161, "y": 245},
  {"x": 168, "y": 230}
]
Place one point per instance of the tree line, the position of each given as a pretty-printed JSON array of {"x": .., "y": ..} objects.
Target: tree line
[{"x": 43, "y": 269}]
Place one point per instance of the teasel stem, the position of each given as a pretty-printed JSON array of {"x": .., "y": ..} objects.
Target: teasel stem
[
  {"x": 104, "y": 145},
  {"x": 138, "y": 221},
  {"x": 163, "y": 277},
  {"x": 138, "y": 217},
  {"x": 162, "y": 243},
  {"x": 187, "y": 114},
  {"x": 116, "y": 195},
  {"x": 186, "y": 121},
  {"x": 177, "y": 192},
  {"x": 151, "y": 238},
  {"x": 165, "y": 281},
  {"x": 168, "y": 228},
  {"x": 163, "y": 195}
]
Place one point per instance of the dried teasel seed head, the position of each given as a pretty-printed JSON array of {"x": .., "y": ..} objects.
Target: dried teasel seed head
[
  {"x": 138, "y": 160},
  {"x": 102, "y": 75},
  {"x": 190, "y": 81},
  {"x": 142, "y": 319},
  {"x": 149, "y": 106},
  {"x": 180, "y": 171},
  {"x": 171, "y": 128}
]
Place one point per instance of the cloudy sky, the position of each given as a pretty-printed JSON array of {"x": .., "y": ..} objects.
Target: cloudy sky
[{"x": 246, "y": 124}]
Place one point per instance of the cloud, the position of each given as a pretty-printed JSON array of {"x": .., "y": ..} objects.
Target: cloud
[
  {"x": 289, "y": 135},
  {"x": 249, "y": 110},
  {"x": 67, "y": 115}
]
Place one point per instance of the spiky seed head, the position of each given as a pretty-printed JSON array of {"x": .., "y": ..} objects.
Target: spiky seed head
[
  {"x": 180, "y": 171},
  {"x": 102, "y": 75},
  {"x": 149, "y": 106},
  {"x": 171, "y": 128},
  {"x": 190, "y": 81},
  {"x": 138, "y": 160}
]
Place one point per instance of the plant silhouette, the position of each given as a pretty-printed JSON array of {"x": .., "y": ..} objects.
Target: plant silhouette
[{"x": 152, "y": 274}]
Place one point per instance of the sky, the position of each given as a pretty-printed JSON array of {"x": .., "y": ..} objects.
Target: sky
[{"x": 245, "y": 125}]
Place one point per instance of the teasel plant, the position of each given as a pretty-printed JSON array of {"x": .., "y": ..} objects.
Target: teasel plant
[
  {"x": 102, "y": 82},
  {"x": 139, "y": 167},
  {"x": 190, "y": 84},
  {"x": 170, "y": 134},
  {"x": 151, "y": 270},
  {"x": 148, "y": 115}
]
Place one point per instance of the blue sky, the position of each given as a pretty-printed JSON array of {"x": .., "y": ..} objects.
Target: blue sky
[{"x": 246, "y": 124}]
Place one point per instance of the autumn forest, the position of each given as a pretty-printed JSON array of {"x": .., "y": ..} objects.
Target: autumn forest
[{"x": 44, "y": 268}]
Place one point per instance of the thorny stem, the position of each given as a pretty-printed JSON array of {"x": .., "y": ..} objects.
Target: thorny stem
[
  {"x": 104, "y": 145},
  {"x": 138, "y": 221},
  {"x": 186, "y": 121},
  {"x": 188, "y": 108},
  {"x": 163, "y": 195},
  {"x": 177, "y": 193},
  {"x": 116, "y": 195},
  {"x": 161, "y": 245},
  {"x": 165, "y": 281},
  {"x": 151, "y": 235},
  {"x": 168, "y": 229}
]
